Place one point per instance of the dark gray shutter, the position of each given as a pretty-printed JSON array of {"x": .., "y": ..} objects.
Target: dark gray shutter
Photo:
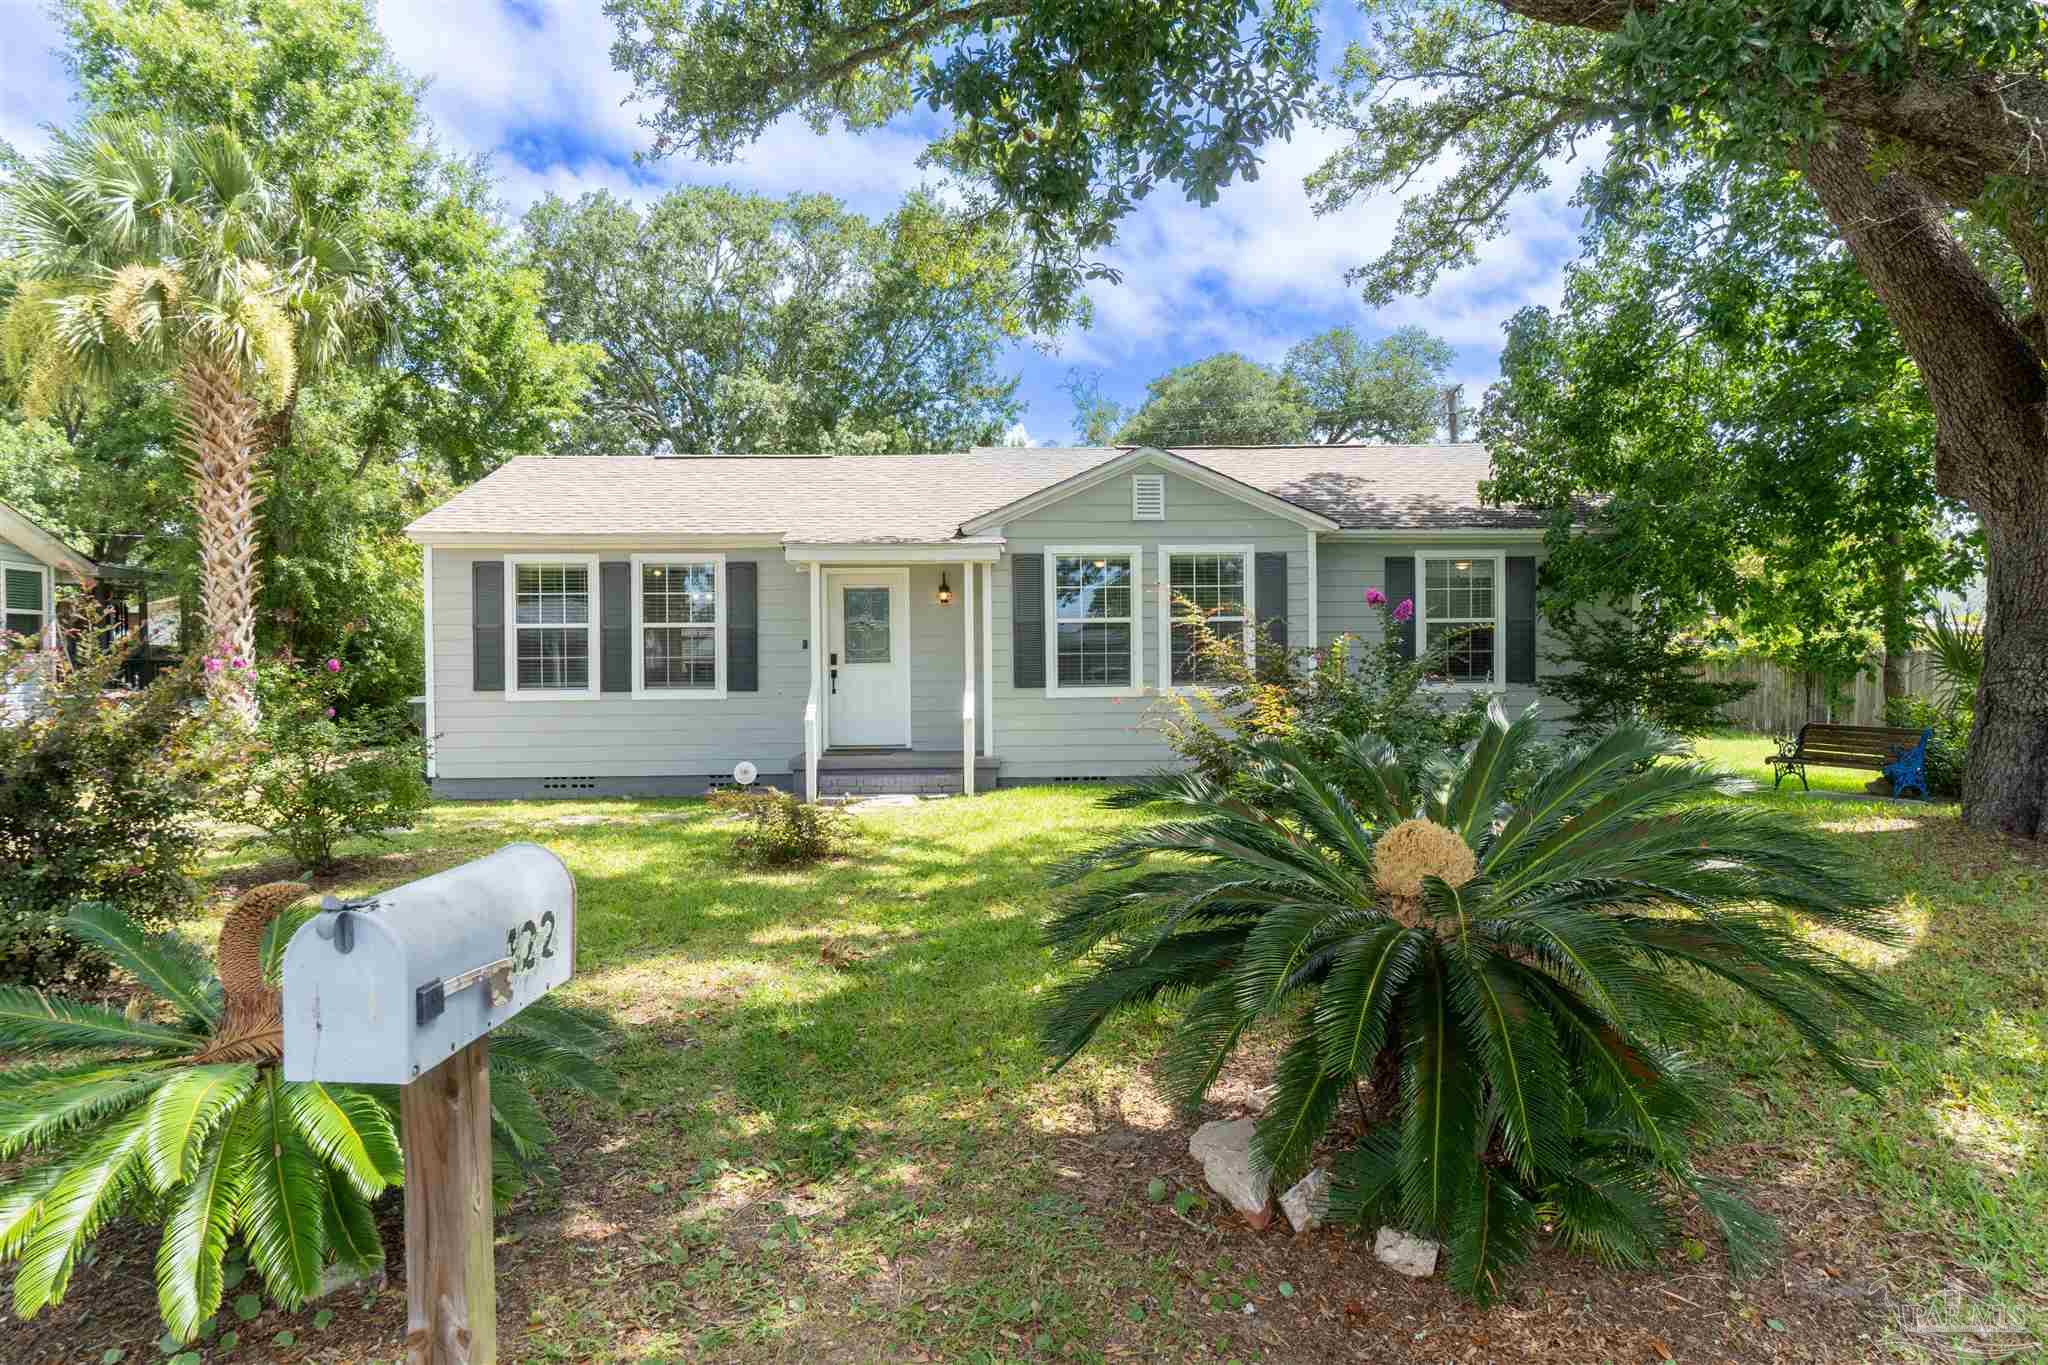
[
  {"x": 1521, "y": 619},
  {"x": 1027, "y": 620},
  {"x": 1400, "y": 587},
  {"x": 615, "y": 626},
  {"x": 487, "y": 623},
  {"x": 742, "y": 627},
  {"x": 1269, "y": 589}
]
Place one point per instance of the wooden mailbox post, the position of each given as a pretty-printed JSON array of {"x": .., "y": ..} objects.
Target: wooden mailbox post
[{"x": 404, "y": 990}]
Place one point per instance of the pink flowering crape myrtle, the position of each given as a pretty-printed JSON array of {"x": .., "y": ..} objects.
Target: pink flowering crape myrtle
[
  {"x": 1405, "y": 612},
  {"x": 1375, "y": 598}
]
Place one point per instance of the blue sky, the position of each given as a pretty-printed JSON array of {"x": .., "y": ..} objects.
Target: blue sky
[{"x": 530, "y": 83}]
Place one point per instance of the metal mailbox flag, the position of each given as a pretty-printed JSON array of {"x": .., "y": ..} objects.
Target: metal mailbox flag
[{"x": 384, "y": 990}]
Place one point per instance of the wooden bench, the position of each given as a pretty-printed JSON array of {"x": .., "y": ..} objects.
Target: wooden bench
[{"x": 1898, "y": 753}]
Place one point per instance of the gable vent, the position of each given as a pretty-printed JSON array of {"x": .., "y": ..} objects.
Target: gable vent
[{"x": 1148, "y": 497}]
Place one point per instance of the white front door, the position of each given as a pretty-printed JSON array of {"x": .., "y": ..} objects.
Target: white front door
[{"x": 868, "y": 634}]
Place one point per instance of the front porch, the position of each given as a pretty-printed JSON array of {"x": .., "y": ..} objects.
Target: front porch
[
  {"x": 900, "y": 647},
  {"x": 916, "y": 772}
]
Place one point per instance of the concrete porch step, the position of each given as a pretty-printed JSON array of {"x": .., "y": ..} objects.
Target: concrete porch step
[{"x": 918, "y": 772}]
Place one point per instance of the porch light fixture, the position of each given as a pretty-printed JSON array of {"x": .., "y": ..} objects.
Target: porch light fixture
[{"x": 945, "y": 590}]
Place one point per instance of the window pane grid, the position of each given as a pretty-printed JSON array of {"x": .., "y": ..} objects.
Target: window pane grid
[
  {"x": 1458, "y": 600},
  {"x": 554, "y": 658},
  {"x": 679, "y": 626},
  {"x": 1214, "y": 584},
  {"x": 551, "y": 627},
  {"x": 1092, "y": 613}
]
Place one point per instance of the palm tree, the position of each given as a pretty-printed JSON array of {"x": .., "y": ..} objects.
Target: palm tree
[
  {"x": 149, "y": 247},
  {"x": 1955, "y": 640},
  {"x": 1503, "y": 991},
  {"x": 187, "y": 1119}
]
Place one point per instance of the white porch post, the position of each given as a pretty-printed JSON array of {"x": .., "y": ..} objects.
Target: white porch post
[
  {"x": 812, "y": 719},
  {"x": 988, "y": 660},
  {"x": 973, "y": 685}
]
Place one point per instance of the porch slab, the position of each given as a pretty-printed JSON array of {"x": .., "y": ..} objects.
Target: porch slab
[
  {"x": 893, "y": 760},
  {"x": 904, "y": 772}
]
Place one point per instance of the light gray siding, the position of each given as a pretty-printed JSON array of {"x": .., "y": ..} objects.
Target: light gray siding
[
  {"x": 487, "y": 735},
  {"x": 490, "y": 737},
  {"x": 1348, "y": 568},
  {"x": 1041, "y": 734}
]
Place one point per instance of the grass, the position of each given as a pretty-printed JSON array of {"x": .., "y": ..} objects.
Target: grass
[
  {"x": 841, "y": 1142},
  {"x": 1744, "y": 751}
]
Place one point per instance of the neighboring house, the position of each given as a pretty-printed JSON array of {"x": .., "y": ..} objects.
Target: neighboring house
[
  {"x": 32, "y": 562},
  {"x": 640, "y": 625}
]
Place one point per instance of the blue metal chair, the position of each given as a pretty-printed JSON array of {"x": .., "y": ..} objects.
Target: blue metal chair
[{"x": 1909, "y": 768}]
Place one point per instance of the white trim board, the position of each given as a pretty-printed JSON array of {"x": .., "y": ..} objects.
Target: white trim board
[
  {"x": 1136, "y": 554},
  {"x": 1249, "y": 555},
  {"x": 592, "y": 627},
  {"x": 641, "y": 691}
]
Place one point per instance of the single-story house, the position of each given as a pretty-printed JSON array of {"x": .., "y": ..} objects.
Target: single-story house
[
  {"x": 32, "y": 562},
  {"x": 644, "y": 625}
]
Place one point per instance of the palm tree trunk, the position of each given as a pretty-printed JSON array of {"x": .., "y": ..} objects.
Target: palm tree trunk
[{"x": 220, "y": 426}]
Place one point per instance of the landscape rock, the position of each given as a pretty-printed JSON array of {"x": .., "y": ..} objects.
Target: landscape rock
[
  {"x": 1414, "y": 1257},
  {"x": 1261, "y": 1099},
  {"x": 1225, "y": 1151},
  {"x": 1308, "y": 1203}
]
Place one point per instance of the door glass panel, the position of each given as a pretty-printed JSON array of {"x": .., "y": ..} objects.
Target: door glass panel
[{"x": 867, "y": 625}]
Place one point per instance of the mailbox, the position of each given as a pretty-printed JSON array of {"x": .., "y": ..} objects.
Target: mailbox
[{"x": 384, "y": 990}]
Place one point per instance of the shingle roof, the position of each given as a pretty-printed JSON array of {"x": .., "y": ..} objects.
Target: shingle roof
[{"x": 882, "y": 499}]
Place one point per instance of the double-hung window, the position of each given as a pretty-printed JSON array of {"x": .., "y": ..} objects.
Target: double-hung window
[
  {"x": 678, "y": 624},
  {"x": 27, "y": 589},
  {"x": 1094, "y": 595},
  {"x": 552, "y": 615},
  {"x": 1461, "y": 599},
  {"x": 1206, "y": 589}
]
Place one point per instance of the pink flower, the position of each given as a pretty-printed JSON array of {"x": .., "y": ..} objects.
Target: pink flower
[
  {"x": 330, "y": 713},
  {"x": 1406, "y": 611},
  {"x": 213, "y": 665},
  {"x": 1375, "y": 598},
  {"x": 238, "y": 662},
  {"x": 334, "y": 665}
]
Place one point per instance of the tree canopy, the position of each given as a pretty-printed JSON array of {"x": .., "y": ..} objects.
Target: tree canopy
[
  {"x": 1918, "y": 128},
  {"x": 1225, "y": 400},
  {"x": 1391, "y": 390},
  {"x": 1760, "y": 448},
  {"x": 732, "y": 322}
]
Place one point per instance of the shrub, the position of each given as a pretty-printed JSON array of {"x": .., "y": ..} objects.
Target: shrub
[
  {"x": 310, "y": 774},
  {"x": 101, "y": 794},
  {"x": 1317, "y": 700},
  {"x": 1948, "y": 748},
  {"x": 1503, "y": 992},
  {"x": 182, "y": 1117},
  {"x": 782, "y": 831},
  {"x": 1631, "y": 665}
]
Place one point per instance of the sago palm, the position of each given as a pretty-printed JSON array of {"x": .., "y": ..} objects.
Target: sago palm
[
  {"x": 1505, "y": 992},
  {"x": 187, "y": 1119},
  {"x": 147, "y": 247}
]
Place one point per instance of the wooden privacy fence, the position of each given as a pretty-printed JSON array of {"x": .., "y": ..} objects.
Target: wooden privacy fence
[{"x": 1786, "y": 699}]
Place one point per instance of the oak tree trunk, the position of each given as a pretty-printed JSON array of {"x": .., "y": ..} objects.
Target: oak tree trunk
[
  {"x": 220, "y": 428},
  {"x": 1989, "y": 391}
]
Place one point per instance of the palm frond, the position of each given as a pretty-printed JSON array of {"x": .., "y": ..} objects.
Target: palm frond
[
  {"x": 33, "y": 1024},
  {"x": 349, "y": 1132},
  {"x": 168, "y": 966},
  {"x": 351, "y": 1226},
  {"x": 1479, "y": 783},
  {"x": 280, "y": 1206},
  {"x": 521, "y": 1053},
  {"x": 1356, "y": 1004},
  {"x": 1442, "y": 1129},
  {"x": 1490, "y": 1235},
  {"x": 183, "y": 1113},
  {"x": 1131, "y": 976},
  {"x": 1751, "y": 1238},
  {"x": 1300, "y": 1111},
  {"x": 1955, "y": 642},
  {"x": 517, "y": 1119},
  {"x": 200, "y": 1219},
  {"x": 1518, "y": 1053},
  {"x": 89, "y": 1192},
  {"x": 33, "y": 1118}
]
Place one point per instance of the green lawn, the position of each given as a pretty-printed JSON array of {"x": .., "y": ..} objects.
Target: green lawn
[
  {"x": 840, "y": 1141},
  {"x": 1744, "y": 752}
]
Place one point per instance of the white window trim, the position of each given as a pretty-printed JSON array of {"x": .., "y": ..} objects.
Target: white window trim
[
  {"x": 49, "y": 595},
  {"x": 1500, "y": 632},
  {"x": 1251, "y": 607},
  {"x": 513, "y": 691},
  {"x": 1053, "y": 554},
  {"x": 641, "y": 691}
]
